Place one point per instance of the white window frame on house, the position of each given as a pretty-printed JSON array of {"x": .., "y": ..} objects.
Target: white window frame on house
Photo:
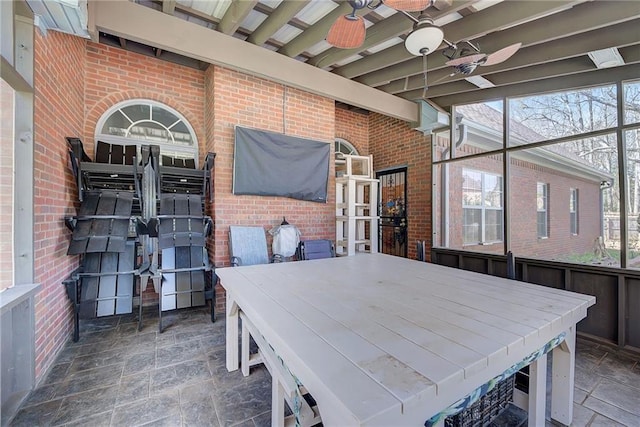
[
  {"x": 157, "y": 132},
  {"x": 483, "y": 204},
  {"x": 573, "y": 211},
  {"x": 542, "y": 210}
]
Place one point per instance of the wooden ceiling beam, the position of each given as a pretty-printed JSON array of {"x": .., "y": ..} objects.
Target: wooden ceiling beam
[
  {"x": 580, "y": 64},
  {"x": 124, "y": 18},
  {"x": 395, "y": 54},
  {"x": 235, "y": 14},
  {"x": 621, "y": 35},
  {"x": 317, "y": 31},
  {"x": 591, "y": 78},
  {"x": 579, "y": 19},
  {"x": 168, "y": 6},
  {"x": 279, "y": 17},
  {"x": 393, "y": 26},
  {"x": 476, "y": 25}
]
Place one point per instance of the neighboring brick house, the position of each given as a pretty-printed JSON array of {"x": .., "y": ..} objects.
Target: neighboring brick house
[{"x": 555, "y": 209}]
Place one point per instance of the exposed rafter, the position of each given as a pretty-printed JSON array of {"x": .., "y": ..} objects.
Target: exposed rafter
[
  {"x": 169, "y": 6},
  {"x": 470, "y": 28},
  {"x": 279, "y": 17},
  {"x": 235, "y": 14},
  {"x": 555, "y": 36},
  {"x": 580, "y": 44},
  {"x": 547, "y": 85},
  {"x": 317, "y": 31}
]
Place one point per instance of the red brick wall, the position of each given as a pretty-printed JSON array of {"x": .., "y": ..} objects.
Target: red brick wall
[
  {"x": 114, "y": 75},
  {"x": 394, "y": 144},
  {"x": 561, "y": 242},
  {"x": 6, "y": 185},
  {"x": 59, "y": 84},
  {"x": 249, "y": 101},
  {"x": 523, "y": 210},
  {"x": 354, "y": 128}
]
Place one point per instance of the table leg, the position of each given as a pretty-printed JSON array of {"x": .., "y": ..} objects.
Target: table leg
[
  {"x": 277, "y": 403},
  {"x": 244, "y": 349},
  {"x": 232, "y": 333},
  {"x": 537, "y": 391},
  {"x": 563, "y": 372}
]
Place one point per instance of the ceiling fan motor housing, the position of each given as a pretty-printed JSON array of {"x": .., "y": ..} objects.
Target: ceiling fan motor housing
[
  {"x": 467, "y": 68},
  {"x": 425, "y": 37}
]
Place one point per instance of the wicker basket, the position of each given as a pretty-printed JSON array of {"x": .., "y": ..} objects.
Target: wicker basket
[{"x": 486, "y": 409}]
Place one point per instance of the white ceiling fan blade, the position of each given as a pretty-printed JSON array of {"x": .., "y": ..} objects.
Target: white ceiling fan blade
[
  {"x": 469, "y": 59},
  {"x": 501, "y": 55}
]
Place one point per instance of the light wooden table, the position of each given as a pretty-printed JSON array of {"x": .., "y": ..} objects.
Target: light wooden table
[{"x": 382, "y": 340}]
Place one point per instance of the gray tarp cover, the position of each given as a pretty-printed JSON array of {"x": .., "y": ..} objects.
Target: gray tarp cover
[{"x": 273, "y": 164}]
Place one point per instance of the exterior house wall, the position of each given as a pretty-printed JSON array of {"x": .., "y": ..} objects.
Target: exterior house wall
[
  {"x": 243, "y": 100},
  {"x": 354, "y": 128},
  {"x": 560, "y": 242},
  {"x": 78, "y": 81},
  {"x": 393, "y": 145},
  {"x": 58, "y": 112},
  {"x": 114, "y": 75},
  {"x": 523, "y": 180}
]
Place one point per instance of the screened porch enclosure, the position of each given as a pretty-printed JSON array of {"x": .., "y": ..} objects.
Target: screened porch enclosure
[{"x": 553, "y": 178}]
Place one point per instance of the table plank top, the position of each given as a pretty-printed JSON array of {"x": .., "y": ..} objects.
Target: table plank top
[{"x": 385, "y": 338}]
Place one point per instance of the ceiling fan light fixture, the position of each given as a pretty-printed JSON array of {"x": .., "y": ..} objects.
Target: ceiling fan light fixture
[
  {"x": 423, "y": 40},
  {"x": 408, "y": 5},
  {"x": 348, "y": 32}
]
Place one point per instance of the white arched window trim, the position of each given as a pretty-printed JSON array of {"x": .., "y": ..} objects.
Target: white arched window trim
[
  {"x": 166, "y": 148},
  {"x": 345, "y": 147}
]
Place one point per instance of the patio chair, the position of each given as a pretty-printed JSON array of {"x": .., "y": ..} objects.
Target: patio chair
[
  {"x": 103, "y": 285},
  {"x": 315, "y": 249},
  {"x": 108, "y": 190},
  {"x": 248, "y": 246},
  {"x": 185, "y": 277}
]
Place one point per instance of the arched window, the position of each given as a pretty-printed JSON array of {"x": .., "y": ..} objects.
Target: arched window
[
  {"x": 142, "y": 121},
  {"x": 341, "y": 148},
  {"x": 344, "y": 147}
]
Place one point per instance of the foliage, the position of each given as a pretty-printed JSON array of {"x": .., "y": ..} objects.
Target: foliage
[{"x": 579, "y": 112}]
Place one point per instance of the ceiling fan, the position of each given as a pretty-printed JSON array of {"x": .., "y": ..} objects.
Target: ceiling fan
[
  {"x": 348, "y": 32},
  {"x": 468, "y": 60}
]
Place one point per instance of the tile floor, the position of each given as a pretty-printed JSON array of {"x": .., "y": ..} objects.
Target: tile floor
[{"x": 116, "y": 376}]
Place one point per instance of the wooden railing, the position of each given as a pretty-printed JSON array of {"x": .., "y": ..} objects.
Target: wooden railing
[{"x": 615, "y": 318}]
